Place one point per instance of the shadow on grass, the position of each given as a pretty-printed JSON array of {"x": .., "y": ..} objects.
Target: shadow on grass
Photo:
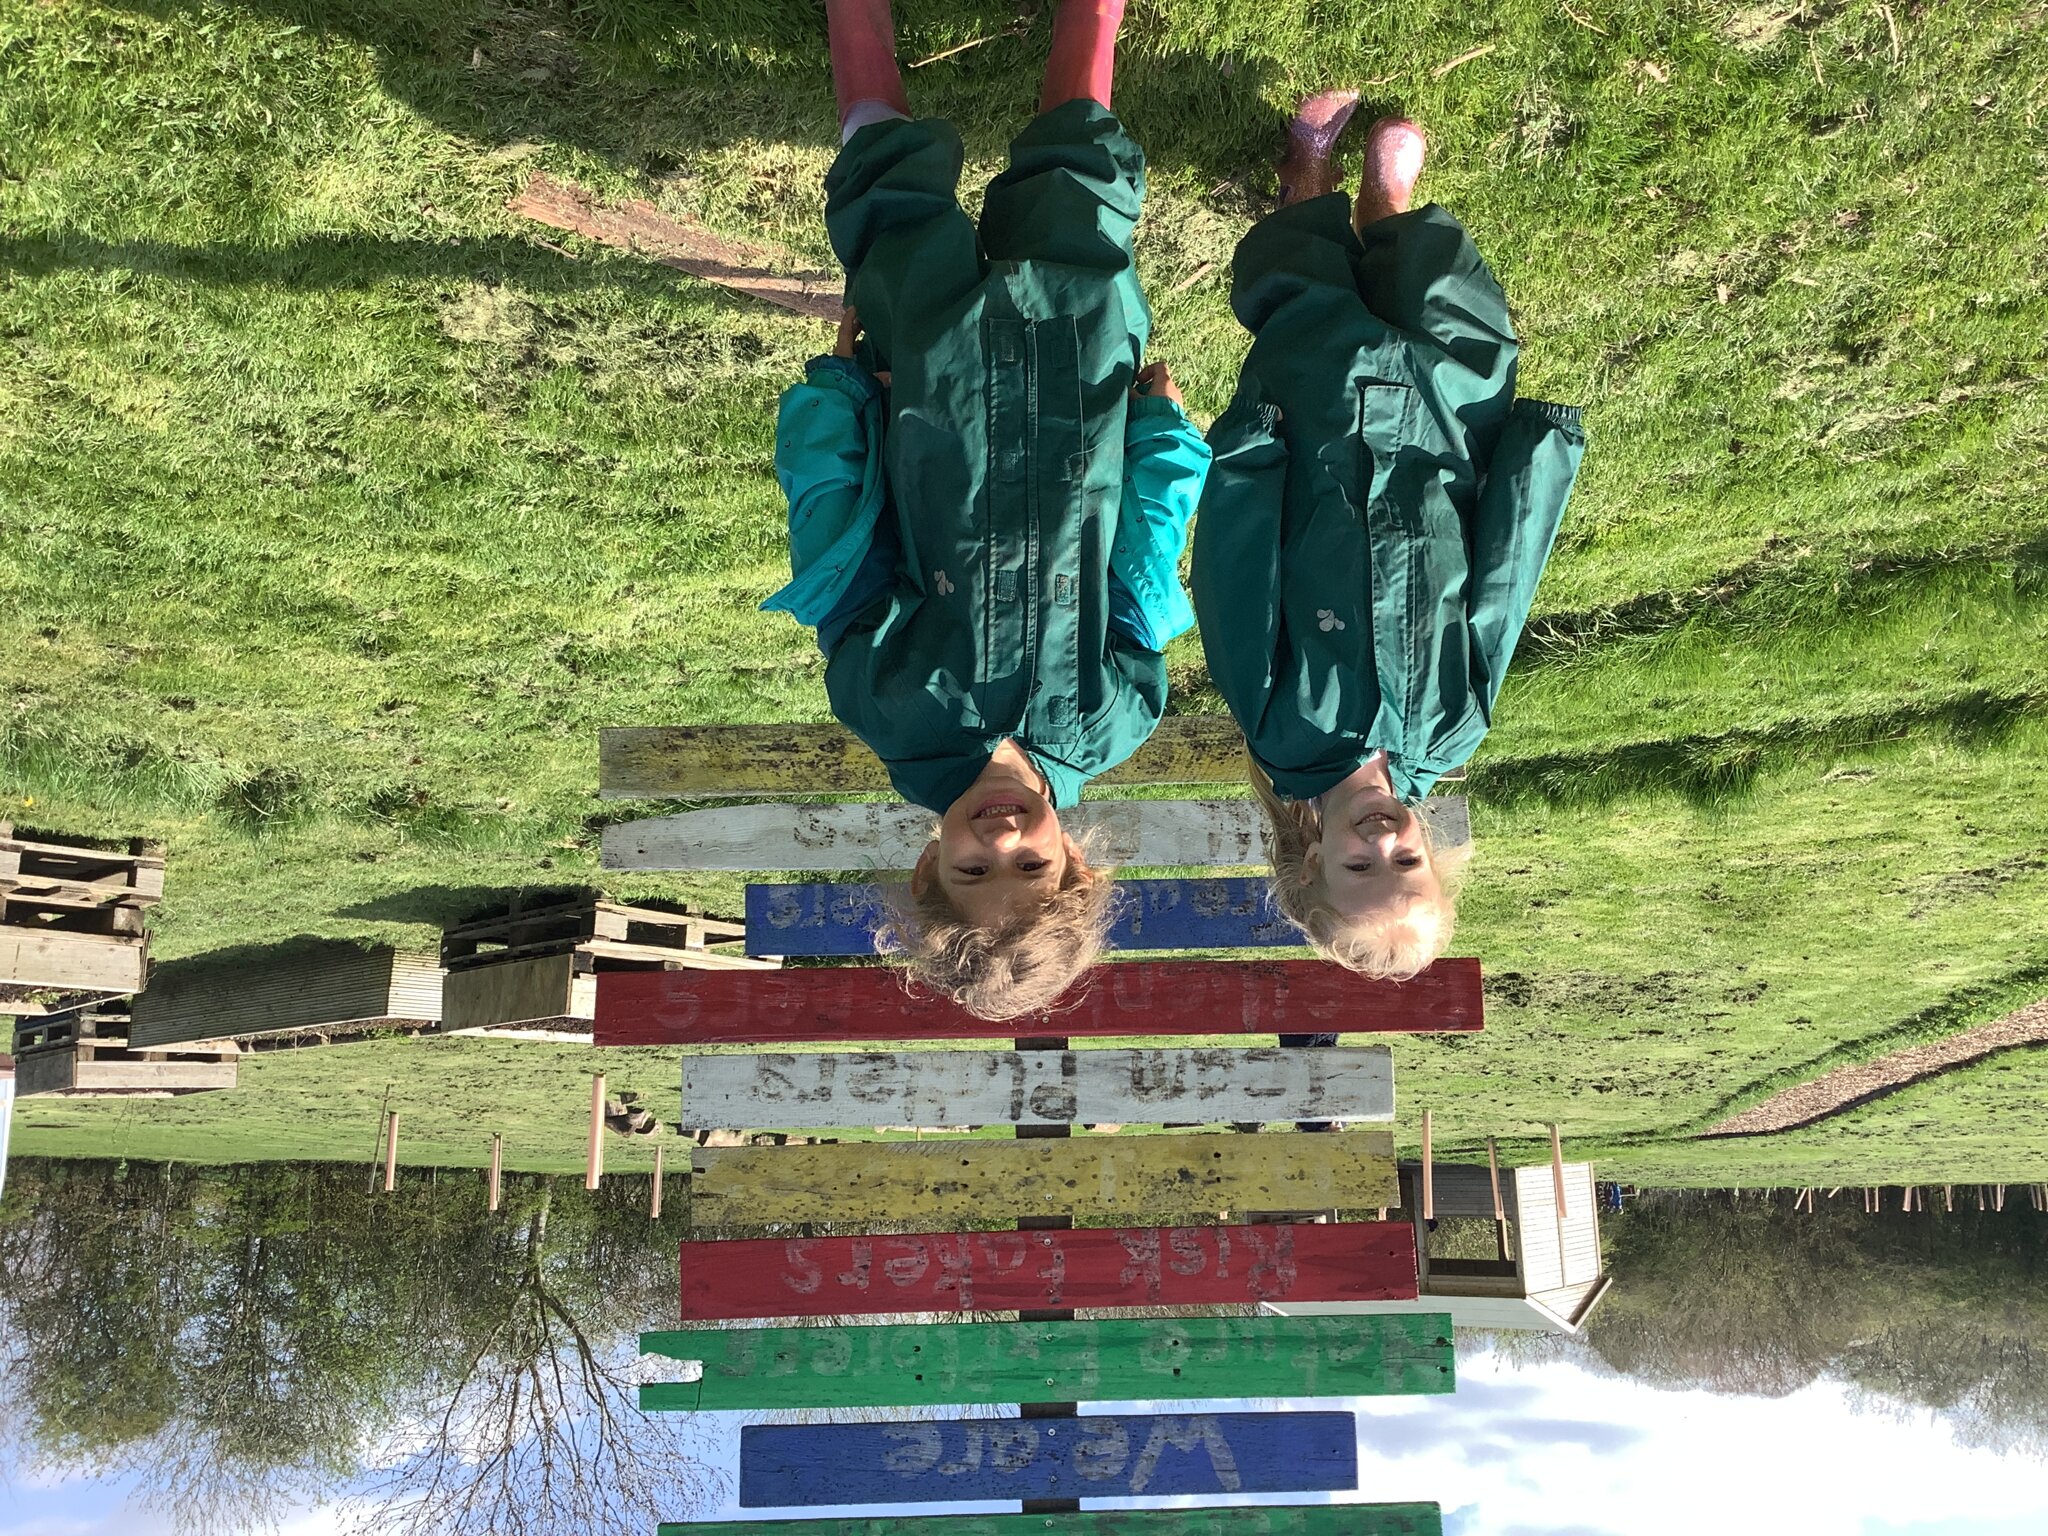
[
  {"x": 641, "y": 82},
  {"x": 1714, "y": 769},
  {"x": 327, "y": 262},
  {"x": 444, "y": 906}
]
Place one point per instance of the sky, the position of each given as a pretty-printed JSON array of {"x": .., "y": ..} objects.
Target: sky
[{"x": 1522, "y": 1449}]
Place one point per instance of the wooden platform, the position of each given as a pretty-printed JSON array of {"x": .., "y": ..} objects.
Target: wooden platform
[
  {"x": 1103, "y": 1267},
  {"x": 1118, "y": 1360},
  {"x": 937, "y": 1089},
  {"x": 821, "y": 1004},
  {"x": 1140, "y": 834},
  {"x": 531, "y": 973},
  {"x": 1139, "y": 1176}
]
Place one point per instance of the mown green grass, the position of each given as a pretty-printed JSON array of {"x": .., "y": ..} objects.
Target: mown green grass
[{"x": 337, "y": 512}]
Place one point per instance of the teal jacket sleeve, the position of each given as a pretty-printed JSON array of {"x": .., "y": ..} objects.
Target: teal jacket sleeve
[
  {"x": 1237, "y": 550},
  {"x": 828, "y": 459},
  {"x": 1513, "y": 528},
  {"x": 1165, "y": 464}
]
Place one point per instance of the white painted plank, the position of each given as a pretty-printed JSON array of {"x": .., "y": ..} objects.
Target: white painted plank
[
  {"x": 1142, "y": 834},
  {"x": 930, "y": 1089}
]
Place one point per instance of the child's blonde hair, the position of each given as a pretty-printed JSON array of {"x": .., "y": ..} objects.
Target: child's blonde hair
[
  {"x": 1024, "y": 966},
  {"x": 1396, "y": 946}
]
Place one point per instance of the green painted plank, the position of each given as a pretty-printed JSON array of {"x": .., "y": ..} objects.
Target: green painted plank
[
  {"x": 1117, "y": 1360},
  {"x": 1266, "y": 1520}
]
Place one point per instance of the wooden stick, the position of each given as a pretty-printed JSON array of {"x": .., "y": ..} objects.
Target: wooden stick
[
  {"x": 1948, "y": 1197},
  {"x": 1557, "y": 1166},
  {"x": 1998, "y": 1190},
  {"x": 1891, "y": 26},
  {"x": 1428, "y": 1177},
  {"x": 391, "y": 1152},
  {"x": 1464, "y": 58},
  {"x": 1575, "y": 16},
  {"x": 654, "y": 1197},
  {"x": 593, "y": 1168},
  {"x": 497, "y": 1170},
  {"x": 1500, "y": 1212}
]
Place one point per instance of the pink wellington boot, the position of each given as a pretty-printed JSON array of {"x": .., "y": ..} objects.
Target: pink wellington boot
[
  {"x": 1311, "y": 135},
  {"x": 1394, "y": 152}
]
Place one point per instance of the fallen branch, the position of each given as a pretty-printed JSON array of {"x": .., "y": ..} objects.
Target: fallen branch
[
  {"x": 1193, "y": 277},
  {"x": 736, "y": 265}
]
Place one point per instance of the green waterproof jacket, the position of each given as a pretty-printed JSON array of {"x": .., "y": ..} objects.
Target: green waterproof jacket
[
  {"x": 989, "y": 548},
  {"x": 1380, "y": 506}
]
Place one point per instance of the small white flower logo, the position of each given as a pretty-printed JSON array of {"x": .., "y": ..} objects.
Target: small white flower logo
[
  {"x": 1328, "y": 620},
  {"x": 941, "y": 581}
]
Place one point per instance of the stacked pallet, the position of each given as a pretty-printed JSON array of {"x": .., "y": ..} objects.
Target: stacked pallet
[
  {"x": 72, "y": 921},
  {"x": 531, "y": 972},
  {"x": 89, "y": 1053}
]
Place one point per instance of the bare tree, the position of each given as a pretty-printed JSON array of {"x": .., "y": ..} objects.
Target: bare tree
[{"x": 536, "y": 1429}]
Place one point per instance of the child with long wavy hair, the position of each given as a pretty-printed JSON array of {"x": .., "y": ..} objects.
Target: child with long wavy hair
[
  {"x": 989, "y": 492},
  {"x": 1375, "y": 521}
]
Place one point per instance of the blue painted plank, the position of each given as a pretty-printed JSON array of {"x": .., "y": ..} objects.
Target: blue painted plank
[
  {"x": 1100, "y": 1456},
  {"x": 1222, "y": 913}
]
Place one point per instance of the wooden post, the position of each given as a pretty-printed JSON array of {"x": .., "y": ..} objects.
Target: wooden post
[
  {"x": 593, "y": 1168},
  {"x": 1948, "y": 1197},
  {"x": 1500, "y": 1211},
  {"x": 654, "y": 1195},
  {"x": 1428, "y": 1173},
  {"x": 1046, "y": 1315},
  {"x": 497, "y": 1170},
  {"x": 391, "y": 1152},
  {"x": 1998, "y": 1190},
  {"x": 1557, "y": 1188}
]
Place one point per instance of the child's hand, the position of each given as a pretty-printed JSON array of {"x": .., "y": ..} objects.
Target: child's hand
[
  {"x": 849, "y": 331},
  {"x": 1156, "y": 379}
]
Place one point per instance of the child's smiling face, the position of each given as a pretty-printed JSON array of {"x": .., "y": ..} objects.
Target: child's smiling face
[
  {"x": 1373, "y": 857},
  {"x": 1000, "y": 851}
]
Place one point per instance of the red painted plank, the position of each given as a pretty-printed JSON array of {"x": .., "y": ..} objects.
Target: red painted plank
[
  {"x": 1157, "y": 997},
  {"x": 1079, "y": 1267}
]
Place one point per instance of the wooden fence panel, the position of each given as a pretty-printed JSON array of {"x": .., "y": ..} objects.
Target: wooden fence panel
[
  {"x": 857, "y": 1004},
  {"x": 1140, "y": 834},
  {"x": 1082, "y": 1267},
  {"x": 954, "y": 1180},
  {"x": 1123, "y": 1360},
  {"x": 1223, "y": 912},
  {"x": 1099, "y": 1456},
  {"x": 699, "y": 762},
  {"x": 1240, "y": 1520},
  {"x": 1107, "y": 1086}
]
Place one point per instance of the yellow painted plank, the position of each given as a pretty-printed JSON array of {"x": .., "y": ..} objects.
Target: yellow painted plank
[
  {"x": 698, "y": 761},
  {"x": 1134, "y": 1175}
]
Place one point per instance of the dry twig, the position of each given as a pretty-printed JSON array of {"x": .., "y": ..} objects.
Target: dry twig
[
  {"x": 1464, "y": 58},
  {"x": 1575, "y": 16}
]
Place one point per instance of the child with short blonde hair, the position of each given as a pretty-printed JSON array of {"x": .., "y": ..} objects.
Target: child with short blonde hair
[
  {"x": 989, "y": 493},
  {"x": 1377, "y": 516}
]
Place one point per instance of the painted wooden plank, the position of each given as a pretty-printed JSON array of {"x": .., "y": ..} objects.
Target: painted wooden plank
[
  {"x": 1113, "y": 1176},
  {"x": 829, "y": 1004},
  {"x": 1239, "y": 1520},
  {"x": 1116, "y": 1087},
  {"x": 1082, "y": 1267},
  {"x": 1099, "y": 1456},
  {"x": 1120, "y": 1360},
  {"x": 1142, "y": 834},
  {"x": 1224, "y": 912},
  {"x": 702, "y": 761}
]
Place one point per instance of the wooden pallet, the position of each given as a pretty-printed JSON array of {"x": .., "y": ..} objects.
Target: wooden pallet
[
  {"x": 86, "y": 1052},
  {"x": 61, "y": 874},
  {"x": 531, "y": 973}
]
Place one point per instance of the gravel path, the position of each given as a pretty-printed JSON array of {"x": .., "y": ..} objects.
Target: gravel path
[{"x": 1846, "y": 1087}]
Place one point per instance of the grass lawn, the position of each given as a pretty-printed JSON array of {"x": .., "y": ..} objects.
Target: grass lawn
[{"x": 337, "y": 511}]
